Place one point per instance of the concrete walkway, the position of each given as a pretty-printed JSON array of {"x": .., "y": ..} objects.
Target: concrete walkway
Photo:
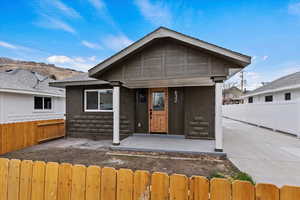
[
  {"x": 268, "y": 156},
  {"x": 167, "y": 143}
]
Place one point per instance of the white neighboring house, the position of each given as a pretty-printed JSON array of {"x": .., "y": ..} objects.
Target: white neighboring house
[
  {"x": 286, "y": 88},
  {"x": 26, "y": 96},
  {"x": 275, "y": 105}
]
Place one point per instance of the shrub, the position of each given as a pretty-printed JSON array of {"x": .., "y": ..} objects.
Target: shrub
[{"x": 242, "y": 176}]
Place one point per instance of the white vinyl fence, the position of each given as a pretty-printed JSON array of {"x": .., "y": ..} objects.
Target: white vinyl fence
[{"x": 281, "y": 116}]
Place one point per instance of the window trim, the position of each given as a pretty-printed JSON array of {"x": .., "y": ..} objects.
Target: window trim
[
  {"x": 95, "y": 110},
  {"x": 43, "y": 104}
]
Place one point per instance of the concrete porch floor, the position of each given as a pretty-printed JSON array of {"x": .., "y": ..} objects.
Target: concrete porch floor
[{"x": 166, "y": 143}]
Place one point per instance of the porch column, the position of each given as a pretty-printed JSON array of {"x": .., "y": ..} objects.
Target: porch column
[
  {"x": 116, "y": 114},
  {"x": 218, "y": 116}
]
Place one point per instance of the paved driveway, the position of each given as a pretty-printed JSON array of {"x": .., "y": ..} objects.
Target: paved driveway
[{"x": 266, "y": 155}]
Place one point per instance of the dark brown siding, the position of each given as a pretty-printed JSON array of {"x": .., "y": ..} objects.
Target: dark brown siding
[
  {"x": 141, "y": 111},
  {"x": 165, "y": 59},
  {"x": 97, "y": 125},
  {"x": 199, "y": 106},
  {"x": 176, "y": 111}
]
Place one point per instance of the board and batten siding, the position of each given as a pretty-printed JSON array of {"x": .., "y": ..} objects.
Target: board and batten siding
[
  {"x": 16, "y": 107},
  {"x": 165, "y": 59},
  {"x": 97, "y": 125}
]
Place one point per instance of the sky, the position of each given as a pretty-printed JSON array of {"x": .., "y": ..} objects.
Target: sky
[{"x": 79, "y": 34}]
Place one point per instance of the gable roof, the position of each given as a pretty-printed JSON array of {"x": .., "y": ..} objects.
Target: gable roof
[
  {"x": 291, "y": 81},
  {"x": 27, "y": 82},
  {"x": 162, "y": 32},
  {"x": 80, "y": 79}
]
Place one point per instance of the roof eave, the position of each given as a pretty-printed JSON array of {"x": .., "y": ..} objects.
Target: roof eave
[
  {"x": 291, "y": 87},
  {"x": 77, "y": 83},
  {"x": 8, "y": 90}
]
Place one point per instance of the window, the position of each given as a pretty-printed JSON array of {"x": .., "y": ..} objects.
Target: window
[
  {"x": 250, "y": 100},
  {"x": 98, "y": 100},
  {"x": 287, "y": 96},
  {"x": 269, "y": 98},
  {"x": 141, "y": 95},
  {"x": 42, "y": 103},
  {"x": 158, "y": 101}
]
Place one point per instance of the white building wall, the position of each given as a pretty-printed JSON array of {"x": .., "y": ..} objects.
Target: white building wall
[
  {"x": 277, "y": 96},
  {"x": 282, "y": 116},
  {"x": 20, "y": 107}
]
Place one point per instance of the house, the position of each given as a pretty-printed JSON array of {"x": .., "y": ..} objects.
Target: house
[
  {"x": 30, "y": 110},
  {"x": 166, "y": 82},
  {"x": 26, "y": 96},
  {"x": 275, "y": 106},
  {"x": 284, "y": 89},
  {"x": 232, "y": 95}
]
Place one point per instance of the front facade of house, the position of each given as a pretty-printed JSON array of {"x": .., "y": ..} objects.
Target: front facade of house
[{"x": 166, "y": 83}]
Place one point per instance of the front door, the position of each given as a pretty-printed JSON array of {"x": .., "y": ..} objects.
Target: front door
[{"x": 158, "y": 110}]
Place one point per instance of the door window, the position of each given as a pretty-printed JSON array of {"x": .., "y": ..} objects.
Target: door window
[{"x": 158, "y": 101}]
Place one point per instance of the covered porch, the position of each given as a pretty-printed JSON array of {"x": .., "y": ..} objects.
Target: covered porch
[{"x": 167, "y": 143}]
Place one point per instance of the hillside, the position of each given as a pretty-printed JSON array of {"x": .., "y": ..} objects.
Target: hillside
[{"x": 41, "y": 68}]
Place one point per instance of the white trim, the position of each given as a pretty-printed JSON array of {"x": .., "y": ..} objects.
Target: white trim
[
  {"x": 292, "y": 87},
  {"x": 218, "y": 116},
  {"x": 85, "y": 100},
  {"x": 30, "y": 92},
  {"x": 116, "y": 120},
  {"x": 63, "y": 84}
]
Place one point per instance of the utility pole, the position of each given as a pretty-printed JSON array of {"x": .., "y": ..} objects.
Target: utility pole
[{"x": 242, "y": 80}]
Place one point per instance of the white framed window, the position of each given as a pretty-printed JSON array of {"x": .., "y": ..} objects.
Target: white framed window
[
  {"x": 100, "y": 100},
  {"x": 42, "y": 103}
]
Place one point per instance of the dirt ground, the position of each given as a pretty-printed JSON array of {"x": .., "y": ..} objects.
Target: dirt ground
[{"x": 98, "y": 153}]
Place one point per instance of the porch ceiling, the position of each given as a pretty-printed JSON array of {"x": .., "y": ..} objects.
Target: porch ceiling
[{"x": 199, "y": 81}]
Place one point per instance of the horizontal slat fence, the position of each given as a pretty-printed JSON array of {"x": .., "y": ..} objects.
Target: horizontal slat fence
[
  {"x": 27, "y": 180},
  {"x": 15, "y": 136}
]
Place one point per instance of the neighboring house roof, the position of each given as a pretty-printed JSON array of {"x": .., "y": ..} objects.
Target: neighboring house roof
[
  {"x": 232, "y": 93},
  {"x": 81, "y": 79},
  {"x": 291, "y": 81},
  {"x": 162, "y": 32},
  {"x": 27, "y": 82}
]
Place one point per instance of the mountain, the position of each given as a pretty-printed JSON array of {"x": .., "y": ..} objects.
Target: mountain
[{"x": 44, "y": 69}]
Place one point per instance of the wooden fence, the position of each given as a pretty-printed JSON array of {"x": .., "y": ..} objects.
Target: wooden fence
[
  {"x": 14, "y": 136},
  {"x": 28, "y": 180}
]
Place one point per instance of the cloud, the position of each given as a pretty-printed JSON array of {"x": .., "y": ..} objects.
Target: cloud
[
  {"x": 117, "y": 43},
  {"x": 264, "y": 58},
  {"x": 104, "y": 13},
  {"x": 57, "y": 7},
  {"x": 59, "y": 59},
  {"x": 65, "y": 9},
  {"x": 55, "y": 23},
  {"x": 90, "y": 45},
  {"x": 18, "y": 47},
  {"x": 294, "y": 8},
  {"x": 98, "y": 4},
  {"x": 7, "y": 45},
  {"x": 92, "y": 58},
  {"x": 78, "y": 63},
  {"x": 156, "y": 13}
]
